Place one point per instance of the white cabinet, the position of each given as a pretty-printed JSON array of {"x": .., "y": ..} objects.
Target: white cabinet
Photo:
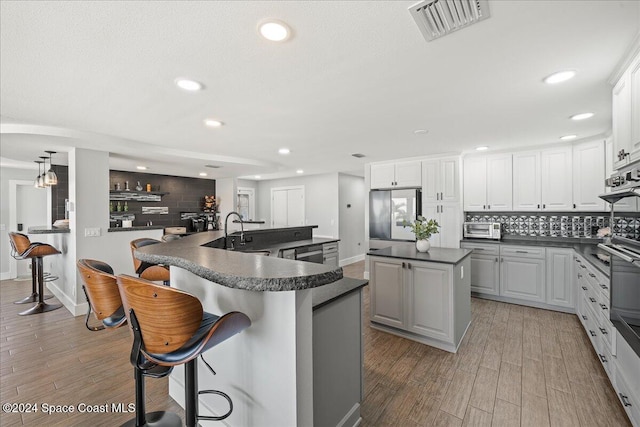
[
  {"x": 488, "y": 183},
  {"x": 430, "y": 300},
  {"x": 527, "y": 194},
  {"x": 556, "y": 179},
  {"x": 621, "y": 121},
  {"x": 396, "y": 175},
  {"x": 588, "y": 176},
  {"x": 485, "y": 268},
  {"x": 628, "y": 204},
  {"x": 634, "y": 82},
  {"x": 441, "y": 180},
  {"x": 559, "y": 266},
  {"x": 522, "y": 274},
  {"x": 449, "y": 217},
  {"x": 387, "y": 291}
]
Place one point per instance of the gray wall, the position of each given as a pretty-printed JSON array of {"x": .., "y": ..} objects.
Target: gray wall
[
  {"x": 351, "y": 219},
  {"x": 321, "y": 201}
]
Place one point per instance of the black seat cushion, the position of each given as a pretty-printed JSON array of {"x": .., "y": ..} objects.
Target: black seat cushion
[
  {"x": 99, "y": 265},
  {"x": 116, "y": 319}
]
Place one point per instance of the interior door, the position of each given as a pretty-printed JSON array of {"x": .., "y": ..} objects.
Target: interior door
[
  {"x": 280, "y": 208},
  {"x": 295, "y": 207},
  {"x": 287, "y": 208}
]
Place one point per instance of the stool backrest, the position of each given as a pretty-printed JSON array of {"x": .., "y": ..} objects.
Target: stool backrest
[
  {"x": 138, "y": 243},
  {"x": 101, "y": 286},
  {"x": 168, "y": 317},
  {"x": 19, "y": 243}
]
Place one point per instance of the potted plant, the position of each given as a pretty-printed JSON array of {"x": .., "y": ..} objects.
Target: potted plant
[{"x": 423, "y": 229}]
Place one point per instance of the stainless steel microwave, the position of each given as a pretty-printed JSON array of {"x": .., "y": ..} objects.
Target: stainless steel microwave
[{"x": 482, "y": 230}]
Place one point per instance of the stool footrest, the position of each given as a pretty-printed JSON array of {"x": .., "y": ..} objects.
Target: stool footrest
[{"x": 221, "y": 417}]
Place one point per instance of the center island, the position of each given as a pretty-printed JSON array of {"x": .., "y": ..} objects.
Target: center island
[{"x": 300, "y": 363}]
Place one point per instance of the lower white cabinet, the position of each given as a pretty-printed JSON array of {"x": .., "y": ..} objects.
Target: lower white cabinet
[
  {"x": 559, "y": 277},
  {"x": 485, "y": 268},
  {"x": 522, "y": 278},
  {"x": 428, "y": 302}
]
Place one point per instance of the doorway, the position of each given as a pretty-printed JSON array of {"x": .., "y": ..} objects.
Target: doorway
[
  {"x": 246, "y": 201},
  {"x": 287, "y": 206}
]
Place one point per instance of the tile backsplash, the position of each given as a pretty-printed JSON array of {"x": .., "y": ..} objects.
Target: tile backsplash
[{"x": 558, "y": 224}]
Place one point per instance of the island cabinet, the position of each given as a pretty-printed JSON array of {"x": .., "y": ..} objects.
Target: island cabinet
[{"x": 428, "y": 302}]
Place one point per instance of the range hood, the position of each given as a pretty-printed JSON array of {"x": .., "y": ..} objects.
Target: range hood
[{"x": 614, "y": 196}]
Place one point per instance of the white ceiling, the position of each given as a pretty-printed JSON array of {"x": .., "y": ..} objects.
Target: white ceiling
[{"x": 356, "y": 77}]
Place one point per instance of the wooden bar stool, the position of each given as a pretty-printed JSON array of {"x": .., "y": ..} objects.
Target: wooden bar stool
[
  {"x": 171, "y": 328},
  {"x": 36, "y": 251},
  {"x": 145, "y": 270},
  {"x": 103, "y": 296},
  {"x": 20, "y": 244}
]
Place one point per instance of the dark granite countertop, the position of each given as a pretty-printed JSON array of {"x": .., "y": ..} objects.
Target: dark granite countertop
[
  {"x": 44, "y": 229},
  {"x": 441, "y": 255},
  {"x": 587, "y": 247},
  {"x": 235, "y": 269},
  {"x": 136, "y": 228},
  {"x": 324, "y": 295}
]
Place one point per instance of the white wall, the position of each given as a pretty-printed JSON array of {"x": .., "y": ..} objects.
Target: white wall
[
  {"x": 6, "y": 175},
  {"x": 226, "y": 197},
  {"x": 351, "y": 191},
  {"x": 321, "y": 201}
]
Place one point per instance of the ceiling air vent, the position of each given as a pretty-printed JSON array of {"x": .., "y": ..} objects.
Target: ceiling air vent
[{"x": 437, "y": 18}]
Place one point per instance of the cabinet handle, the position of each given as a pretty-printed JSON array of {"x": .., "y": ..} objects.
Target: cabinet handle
[
  {"x": 538, "y": 206},
  {"x": 522, "y": 252},
  {"x": 592, "y": 275},
  {"x": 604, "y": 331},
  {"x": 593, "y": 334},
  {"x": 437, "y": 196},
  {"x": 604, "y": 286},
  {"x": 579, "y": 276},
  {"x": 441, "y": 196},
  {"x": 544, "y": 206},
  {"x": 574, "y": 206},
  {"x": 604, "y": 307},
  {"x": 479, "y": 249},
  {"x": 584, "y": 288},
  {"x": 625, "y": 400},
  {"x": 604, "y": 359},
  {"x": 488, "y": 206},
  {"x": 403, "y": 265},
  {"x": 577, "y": 260},
  {"x": 484, "y": 207},
  {"x": 501, "y": 259},
  {"x": 592, "y": 299},
  {"x": 582, "y": 266},
  {"x": 584, "y": 317},
  {"x": 409, "y": 266},
  {"x": 496, "y": 259}
]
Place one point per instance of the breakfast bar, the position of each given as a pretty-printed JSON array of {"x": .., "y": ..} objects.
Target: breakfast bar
[{"x": 275, "y": 371}]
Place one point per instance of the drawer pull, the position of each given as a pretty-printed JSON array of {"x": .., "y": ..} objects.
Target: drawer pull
[
  {"x": 592, "y": 275},
  {"x": 522, "y": 252},
  {"x": 577, "y": 260},
  {"x": 404, "y": 265},
  {"x": 584, "y": 317},
  {"x": 584, "y": 288},
  {"x": 592, "y": 299},
  {"x": 582, "y": 266},
  {"x": 409, "y": 265},
  {"x": 496, "y": 259},
  {"x": 625, "y": 399},
  {"x": 593, "y": 334},
  {"x": 605, "y": 287},
  {"x": 604, "y": 331},
  {"x": 479, "y": 249},
  {"x": 604, "y": 307},
  {"x": 604, "y": 359}
]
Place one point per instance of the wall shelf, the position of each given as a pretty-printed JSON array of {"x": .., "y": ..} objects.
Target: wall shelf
[{"x": 136, "y": 196}]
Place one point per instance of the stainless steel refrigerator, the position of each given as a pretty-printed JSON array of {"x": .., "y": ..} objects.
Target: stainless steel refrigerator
[{"x": 388, "y": 209}]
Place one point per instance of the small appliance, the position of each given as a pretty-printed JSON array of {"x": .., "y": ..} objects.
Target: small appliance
[{"x": 482, "y": 230}]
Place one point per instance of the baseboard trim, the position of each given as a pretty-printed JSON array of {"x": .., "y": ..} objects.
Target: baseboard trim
[
  {"x": 524, "y": 302},
  {"x": 351, "y": 260},
  {"x": 73, "y": 308},
  {"x": 5, "y": 276}
]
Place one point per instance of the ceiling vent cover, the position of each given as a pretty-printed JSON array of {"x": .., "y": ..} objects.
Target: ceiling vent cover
[{"x": 437, "y": 18}]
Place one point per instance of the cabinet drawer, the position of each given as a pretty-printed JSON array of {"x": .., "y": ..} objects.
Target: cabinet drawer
[
  {"x": 481, "y": 249},
  {"x": 604, "y": 354},
  {"x": 330, "y": 247},
  {"x": 629, "y": 400},
  {"x": 522, "y": 251}
]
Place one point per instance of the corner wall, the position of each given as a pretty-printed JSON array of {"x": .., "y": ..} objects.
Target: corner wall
[{"x": 351, "y": 208}]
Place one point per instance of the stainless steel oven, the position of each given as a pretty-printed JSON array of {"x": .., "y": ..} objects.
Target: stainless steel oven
[{"x": 625, "y": 288}]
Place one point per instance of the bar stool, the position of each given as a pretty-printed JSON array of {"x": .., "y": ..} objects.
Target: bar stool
[
  {"x": 146, "y": 270},
  {"x": 25, "y": 249},
  {"x": 19, "y": 245},
  {"x": 171, "y": 328},
  {"x": 103, "y": 296}
]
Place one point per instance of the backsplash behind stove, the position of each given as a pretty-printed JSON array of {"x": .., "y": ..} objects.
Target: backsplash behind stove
[{"x": 558, "y": 224}]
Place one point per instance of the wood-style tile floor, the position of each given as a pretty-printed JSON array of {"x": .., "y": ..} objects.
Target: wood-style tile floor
[{"x": 516, "y": 366}]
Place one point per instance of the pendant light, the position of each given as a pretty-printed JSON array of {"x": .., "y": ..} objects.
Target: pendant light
[
  {"x": 37, "y": 183},
  {"x": 50, "y": 177},
  {"x": 41, "y": 183}
]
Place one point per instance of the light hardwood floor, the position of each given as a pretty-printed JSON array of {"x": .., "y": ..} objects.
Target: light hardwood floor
[{"x": 516, "y": 366}]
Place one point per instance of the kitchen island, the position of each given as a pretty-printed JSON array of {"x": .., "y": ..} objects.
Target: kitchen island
[
  {"x": 425, "y": 297},
  {"x": 305, "y": 339}
]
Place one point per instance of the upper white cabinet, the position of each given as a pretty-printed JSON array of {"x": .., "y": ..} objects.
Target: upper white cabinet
[
  {"x": 396, "y": 175},
  {"x": 441, "y": 180},
  {"x": 588, "y": 176},
  {"x": 527, "y": 193},
  {"x": 556, "y": 179},
  {"x": 628, "y": 204},
  {"x": 626, "y": 115},
  {"x": 488, "y": 183}
]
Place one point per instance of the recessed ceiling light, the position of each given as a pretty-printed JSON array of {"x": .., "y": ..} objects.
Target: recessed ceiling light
[
  {"x": 299, "y": 171},
  {"x": 568, "y": 137},
  {"x": 284, "y": 151},
  {"x": 188, "y": 84},
  {"x": 420, "y": 131},
  {"x": 212, "y": 123},
  {"x": 141, "y": 168},
  {"x": 274, "y": 30},
  {"x": 559, "y": 77},
  {"x": 582, "y": 116},
  {"x": 202, "y": 174},
  {"x": 482, "y": 148},
  {"x": 257, "y": 177}
]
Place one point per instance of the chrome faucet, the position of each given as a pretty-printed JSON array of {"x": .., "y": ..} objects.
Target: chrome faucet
[{"x": 226, "y": 221}]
